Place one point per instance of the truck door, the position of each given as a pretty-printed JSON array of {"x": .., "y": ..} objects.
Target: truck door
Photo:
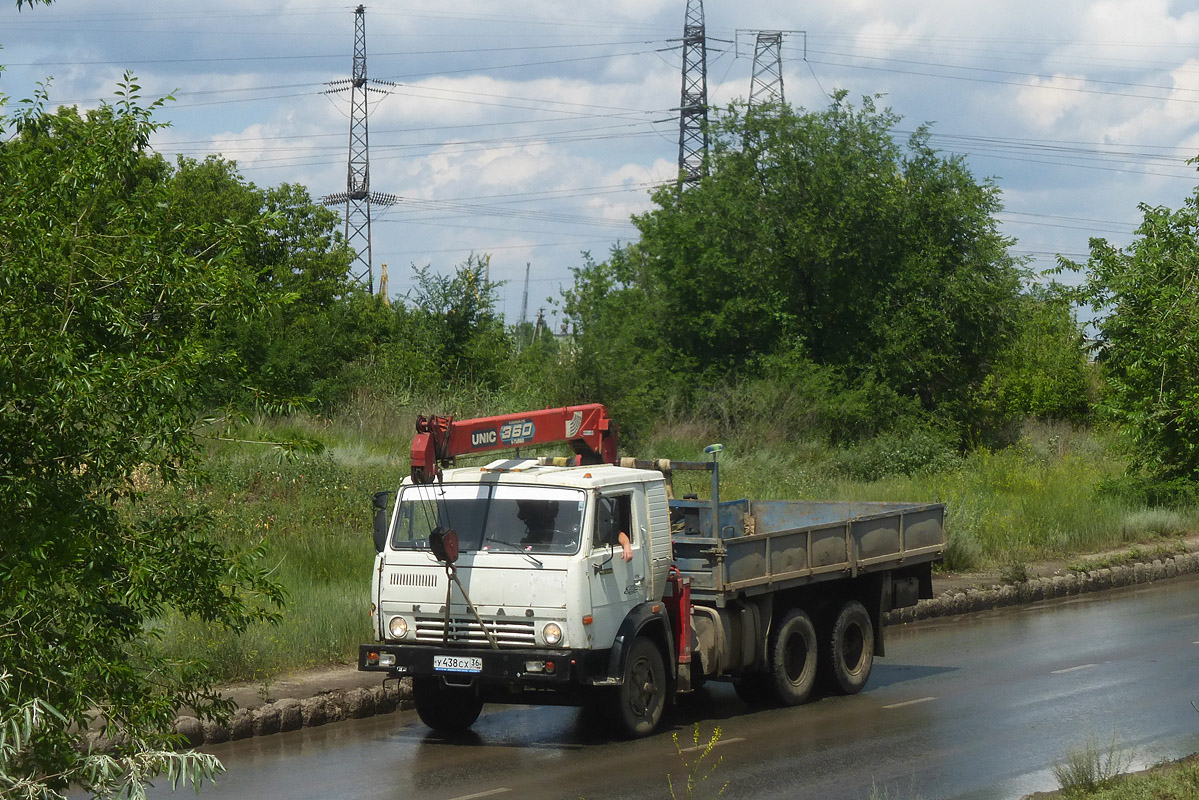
[{"x": 616, "y": 585}]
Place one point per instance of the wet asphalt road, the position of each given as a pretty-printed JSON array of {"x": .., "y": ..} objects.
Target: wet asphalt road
[{"x": 971, "y": 707}]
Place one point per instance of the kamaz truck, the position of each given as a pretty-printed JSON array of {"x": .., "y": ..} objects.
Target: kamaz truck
[{"x": 583, "y": 581}]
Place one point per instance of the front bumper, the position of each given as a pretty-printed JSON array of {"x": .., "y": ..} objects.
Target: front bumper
[{"x": 520, "y": 667}]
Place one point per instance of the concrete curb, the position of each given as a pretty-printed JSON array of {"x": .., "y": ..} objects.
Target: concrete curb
[
  {"x": 356, "y": 703},
  {"x": 1036, "y": 589},
  {"x": 291, "y": 714}
]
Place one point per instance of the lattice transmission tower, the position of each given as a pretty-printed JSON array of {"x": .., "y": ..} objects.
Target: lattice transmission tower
[
  {"x": 766, "y": 85},
  {"x": 693, "y": 106},
  {"x": 358, "y": 197}
]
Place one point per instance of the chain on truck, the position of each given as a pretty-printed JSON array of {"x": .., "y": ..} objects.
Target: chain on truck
[{"x": 510, "y": 582}]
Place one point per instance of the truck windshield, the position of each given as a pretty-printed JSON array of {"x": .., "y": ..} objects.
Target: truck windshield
[{"x": 495, "y": 518}]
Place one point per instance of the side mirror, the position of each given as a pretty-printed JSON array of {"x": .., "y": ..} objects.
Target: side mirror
[{"x": 382, "y": 505}]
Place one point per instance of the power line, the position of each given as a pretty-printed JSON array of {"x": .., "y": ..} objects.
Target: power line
[
  {"x": 316, "y": 87},
  {"x": 311, "y": 56},
  {"x": 992, "y": 70},
  {"x": 997, "y": 81},
  {"x": 441, "y": 148}
]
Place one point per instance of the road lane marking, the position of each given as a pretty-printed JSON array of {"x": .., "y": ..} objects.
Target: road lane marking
[
  {"x": 487, "y": 793},
  {"x": 910, "y": 702},
  {"x": 555, "y": 746},
  {"x": 1071, "y": 669},
  {"x": 437, "y": 740},
  {"x": 717, "y": 744}
]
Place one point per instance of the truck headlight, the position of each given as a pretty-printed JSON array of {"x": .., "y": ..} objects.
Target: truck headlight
[
  {"x": 552, "y": 633},
  {"x": 397, "y": 627}
]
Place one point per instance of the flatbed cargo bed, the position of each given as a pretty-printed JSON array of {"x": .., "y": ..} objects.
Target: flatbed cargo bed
[{"x": 768, "y": 545}]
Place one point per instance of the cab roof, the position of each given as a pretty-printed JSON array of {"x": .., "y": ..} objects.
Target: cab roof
[{"x": 530, "y": 471}]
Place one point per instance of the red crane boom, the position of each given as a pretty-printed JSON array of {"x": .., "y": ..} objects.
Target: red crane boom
[{"x": 588, "y": 429}]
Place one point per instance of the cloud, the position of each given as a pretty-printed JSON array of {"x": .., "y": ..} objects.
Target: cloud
[{"x": 1044, "y": 102}]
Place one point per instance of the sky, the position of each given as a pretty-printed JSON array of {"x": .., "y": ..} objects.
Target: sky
[{"x": 532, "y": 130}]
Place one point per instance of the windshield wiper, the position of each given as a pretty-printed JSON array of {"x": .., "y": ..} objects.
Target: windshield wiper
[{"x": 515, "y": 548}]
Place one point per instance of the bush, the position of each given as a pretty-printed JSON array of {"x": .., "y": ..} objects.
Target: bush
[{"x": 902, "y": 452}]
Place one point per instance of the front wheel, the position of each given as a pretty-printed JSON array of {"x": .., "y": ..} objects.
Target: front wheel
[
  {"x": 642, "y": 697},
  {"x": 849, "y": 649},
  {"x": 445, "y": 708}
]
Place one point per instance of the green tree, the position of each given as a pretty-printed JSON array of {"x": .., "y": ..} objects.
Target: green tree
[
  {"x": 614, "y": 355},
  {"x": 818, "y": 228},
  {"x": 1043, "y": 370},
  {"x": 105, "y": 302},
  {"x": 306, "y": 344},
  {"x": 461, "y": 333},
  {"x": 1147, "y": 296}
]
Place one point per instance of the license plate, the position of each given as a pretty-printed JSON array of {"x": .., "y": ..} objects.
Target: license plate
[{"x": 457, "y": 663}]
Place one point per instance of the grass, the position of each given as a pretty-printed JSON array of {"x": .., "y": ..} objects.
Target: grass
[
  {"x": 1037, "y": 500},
  {"x": 1132, "y": 555},
  {"x": 314, "y": 516}
]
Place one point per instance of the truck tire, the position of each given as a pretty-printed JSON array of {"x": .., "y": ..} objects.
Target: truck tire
[
  {"x": 641, "y": 698},
  {"x": 793, "y": 658},
  {"x": 443, "y": 708},
  {"x": 849, "y": 649}
]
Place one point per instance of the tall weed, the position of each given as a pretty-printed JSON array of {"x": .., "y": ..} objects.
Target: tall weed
[
  {"x": 699, "y": 766},
  {"x": 1092, "y": 767}
]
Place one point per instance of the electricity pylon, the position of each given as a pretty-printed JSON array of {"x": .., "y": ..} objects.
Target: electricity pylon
[
  {"x": 693, "y": 105},
  {"x": 766, "y": 85},
  {"x": 358, "y": 197}
]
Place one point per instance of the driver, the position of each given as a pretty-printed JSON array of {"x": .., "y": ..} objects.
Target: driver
[{"x": 538, "y": 517}]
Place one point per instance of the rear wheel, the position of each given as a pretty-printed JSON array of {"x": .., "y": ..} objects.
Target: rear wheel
[
  {"x": 793, "y": 658},
  {"x": 641, "y": 698},
  {"x": 445, "y": 708},
  {"x": 849, "y": 649}
]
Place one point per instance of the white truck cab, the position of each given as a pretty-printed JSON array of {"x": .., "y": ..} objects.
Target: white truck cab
[{"x": 539, "y": 591}]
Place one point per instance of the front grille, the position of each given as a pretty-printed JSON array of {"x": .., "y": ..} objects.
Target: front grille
[{"x": 466, "y": 630}]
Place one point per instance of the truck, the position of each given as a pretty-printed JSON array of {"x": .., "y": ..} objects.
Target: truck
[{"x": 583, "y": 581}]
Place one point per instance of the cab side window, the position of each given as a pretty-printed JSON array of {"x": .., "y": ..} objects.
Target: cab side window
[{"x": 614, "y": 515}]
